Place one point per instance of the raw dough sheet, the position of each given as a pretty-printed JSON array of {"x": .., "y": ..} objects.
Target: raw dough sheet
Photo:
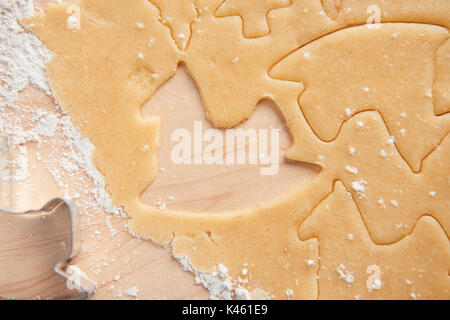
[{"x": 358, "y": 93}]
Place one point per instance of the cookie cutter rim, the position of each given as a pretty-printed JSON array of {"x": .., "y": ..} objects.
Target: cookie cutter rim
[{"x": 85, "y": 286}]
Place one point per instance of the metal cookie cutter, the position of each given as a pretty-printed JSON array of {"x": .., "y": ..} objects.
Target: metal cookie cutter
[{"x": 37, "y": 246}]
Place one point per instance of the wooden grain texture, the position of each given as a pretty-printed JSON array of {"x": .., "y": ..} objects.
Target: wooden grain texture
[{"x": 113, "y": 258}]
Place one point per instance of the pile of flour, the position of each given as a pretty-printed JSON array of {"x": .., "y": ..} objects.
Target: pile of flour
[{"x": 22, "y": 55}]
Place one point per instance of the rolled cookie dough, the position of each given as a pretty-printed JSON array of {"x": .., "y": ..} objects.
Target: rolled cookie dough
[{"x": 367, "y": 105}]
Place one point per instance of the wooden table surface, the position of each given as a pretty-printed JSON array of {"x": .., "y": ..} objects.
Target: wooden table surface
[{"x": 113, "y": 258}]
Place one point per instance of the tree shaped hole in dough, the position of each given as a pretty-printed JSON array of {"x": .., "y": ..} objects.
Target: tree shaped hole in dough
[
  {"x": 218, "y": 186},
  {"x": 390, "y": 69},
  {"x": 352, "y": 266}
]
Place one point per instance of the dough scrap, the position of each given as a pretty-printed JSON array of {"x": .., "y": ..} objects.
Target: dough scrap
[{"x": 105, "y": 71}]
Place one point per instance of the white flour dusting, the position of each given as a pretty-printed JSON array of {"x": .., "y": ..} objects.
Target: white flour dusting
[
  {"x": 22, "y": 63},
  {"x": 22, "y": 55},
  {"x": 219, "y": 284}
]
